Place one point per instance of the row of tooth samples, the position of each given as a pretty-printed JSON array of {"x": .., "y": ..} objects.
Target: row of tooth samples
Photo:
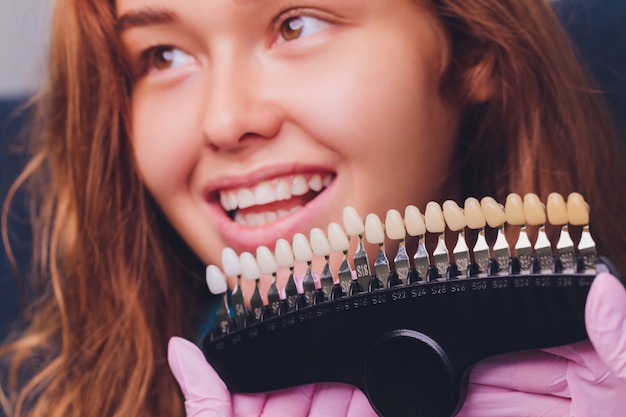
[{"x": 356, "y": 276}]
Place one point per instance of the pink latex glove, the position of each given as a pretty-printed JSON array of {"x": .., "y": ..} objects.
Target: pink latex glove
[
  {"x": 586, "y": 379},
  {"x": 206, "y": 394},
  {"x": 571, "y": 381}
]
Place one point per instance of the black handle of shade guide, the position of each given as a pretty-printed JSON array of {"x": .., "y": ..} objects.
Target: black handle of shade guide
[{"x": 409, "y": 348}]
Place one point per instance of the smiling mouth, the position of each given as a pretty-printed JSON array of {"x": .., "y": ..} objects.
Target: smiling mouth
[{"x": 272, "y": 200}]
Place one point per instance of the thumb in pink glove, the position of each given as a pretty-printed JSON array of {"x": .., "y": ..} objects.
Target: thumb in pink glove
[{"x": 206, "y": 394}]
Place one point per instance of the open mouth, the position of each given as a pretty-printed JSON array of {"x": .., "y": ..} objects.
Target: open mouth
[{"x": 274, "y": 199}]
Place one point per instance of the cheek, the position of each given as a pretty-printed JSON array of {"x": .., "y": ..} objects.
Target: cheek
[{"x": 165, "y": 145}]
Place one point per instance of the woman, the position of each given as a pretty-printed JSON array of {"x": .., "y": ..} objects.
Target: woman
[{"x": 154, "y": 113}]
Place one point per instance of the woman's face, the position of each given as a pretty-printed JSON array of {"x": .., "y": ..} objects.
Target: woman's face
[{"x": 252, "y": 120}]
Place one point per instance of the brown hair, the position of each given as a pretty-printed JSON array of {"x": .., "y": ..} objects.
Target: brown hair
[
  {"x": 114, "y": 281},
  {"x": 537, "y": 124},
  {"x": 112, "y": 278}
]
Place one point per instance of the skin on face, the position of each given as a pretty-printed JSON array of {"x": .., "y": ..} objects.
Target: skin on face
[{"x": 245, "y": 92}]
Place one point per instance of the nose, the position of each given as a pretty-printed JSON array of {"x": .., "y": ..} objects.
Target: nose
[{"x": 238, "y": 109}]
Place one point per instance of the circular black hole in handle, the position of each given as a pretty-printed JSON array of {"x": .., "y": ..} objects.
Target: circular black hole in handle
[{"x": 408, "y": 374}]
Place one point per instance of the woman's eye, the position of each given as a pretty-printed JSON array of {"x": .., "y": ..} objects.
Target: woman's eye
[
  {"x": 299, "y": 26},
  {"x": 166, "y": 57}
]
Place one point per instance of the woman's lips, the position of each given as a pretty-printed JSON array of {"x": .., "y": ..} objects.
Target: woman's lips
[{"x": 268, "y": 211}]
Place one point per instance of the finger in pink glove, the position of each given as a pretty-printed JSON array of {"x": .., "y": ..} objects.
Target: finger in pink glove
[{"x": 205, "y": 393}]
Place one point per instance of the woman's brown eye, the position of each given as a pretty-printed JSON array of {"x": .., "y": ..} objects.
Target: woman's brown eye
[
  {"x": 167, "y": 57},
  {"x": 162, "y": 58},
  {"x": 292, "y": 28}
]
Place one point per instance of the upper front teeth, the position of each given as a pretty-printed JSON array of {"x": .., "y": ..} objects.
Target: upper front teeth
[{"x": 270, "y": 191}]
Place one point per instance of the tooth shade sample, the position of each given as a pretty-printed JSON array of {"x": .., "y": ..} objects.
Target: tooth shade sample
[
  {"x": 249, "y": 268},
  {"x": 556, "y": 209},
  {"x": 514, "y": 210},
  {"x": 338, "y": 239},
  {"x": 493, "y": 212},
  {"x": 435, "y": 222},
  {"x": 453, "y": 215},
  {"x": 577, "y": 210},
  {"x": 215, "y": 279},
  {"x": 533, "y": 210},
  {"x": 230, "y": 262},
  {"x": 394, "y": 225},
  {"x": 283, "y": 254},
  {"x": 265, "y": 259},
  {"x": 474, "y": 214},
  {"x": 302, "y": 248},
  {"x": 414, "y": 221},
  {"x": 374, "y": 230},
  {"x": 352, "y": 221},
  {"x": 319, "y": 242}
]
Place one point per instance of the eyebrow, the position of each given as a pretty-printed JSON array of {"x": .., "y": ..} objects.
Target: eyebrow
[{"x": 145, "y": 17}]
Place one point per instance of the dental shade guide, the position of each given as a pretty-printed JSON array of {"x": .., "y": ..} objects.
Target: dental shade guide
[{"x": 409, "y": 344}]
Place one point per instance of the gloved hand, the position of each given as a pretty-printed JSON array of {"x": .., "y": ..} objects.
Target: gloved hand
[
  {"x": 206, "y": 394},
  {"x": 586, "y": 379}
]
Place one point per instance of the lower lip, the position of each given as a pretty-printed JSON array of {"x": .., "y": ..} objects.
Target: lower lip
[{"x": 245, "y": 238}]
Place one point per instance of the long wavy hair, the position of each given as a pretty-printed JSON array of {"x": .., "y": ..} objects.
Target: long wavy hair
[{"x": 113, "y": 282}]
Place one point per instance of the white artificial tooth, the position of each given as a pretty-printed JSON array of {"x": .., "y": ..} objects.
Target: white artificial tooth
[
  {"x": 474, "y": 214},
  {"x": 282, "y": 213},
  {"x": 249, "y": 268},
  {"x": 453, "y": 215},
  {"x": 414, "y": 221},
  {"x": 265, "y": 259},
  {"x": 494, "y": 213},
  {"x": 315, "y": 183},
  {"x": 435, "y": 222},
  {"x": 283, "y": 190},
  {"x": 299, "y": 186},
  {"x": 302, "y": 248},
  {"x": 577, "y": 210},
  {"x": 337, "y": 237},
  {"x": 319, "y": 242},
  {"x": 283, "y": 253},
  {"x": 239, "y": 219},
  {"x": 327, "y": 180},
  {"x": 556, "y": 209},
  {"x": 271, "y": 216},
  {"x": 352, "y": 221},
  {"x": 230, "y": 262},
  {"x": 394, "y": 225},
  {"x": 374, "y": 230},
  {"x": 294, "y": 209},
  {"x": 215, "y": 279},
  {"x": 534, "y": 210},
  {"x": 245, "y": 198},
  {"x": 264, "y": 193}
]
